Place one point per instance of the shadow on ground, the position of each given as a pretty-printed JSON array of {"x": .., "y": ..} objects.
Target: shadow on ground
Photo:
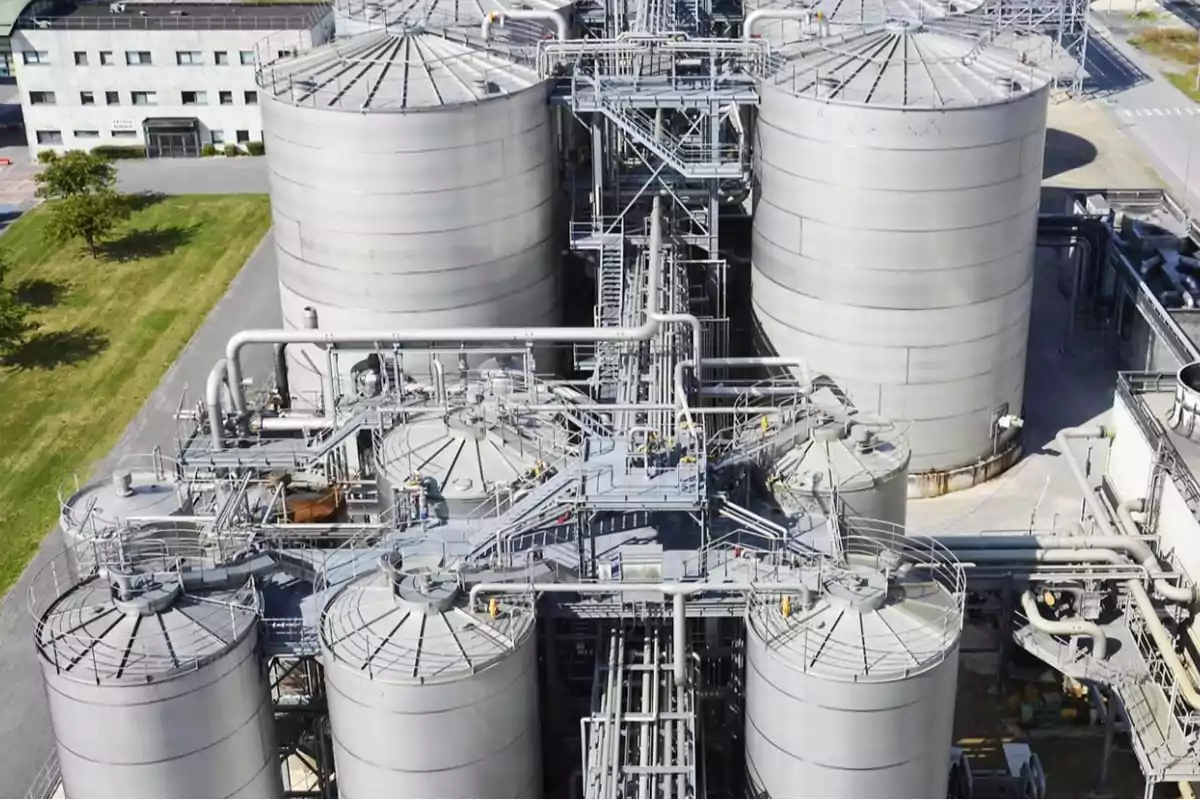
[
  {"x": 56, "y": 349},
  {"x": 8, "y": 218},
  {"x": 1108, "y": 71},
  {"x": 39, "y": 293},
  {"x": 147, "y": 243},
  {"x": 142, "y": 200},
  {"x": 1066, "y": 152}
]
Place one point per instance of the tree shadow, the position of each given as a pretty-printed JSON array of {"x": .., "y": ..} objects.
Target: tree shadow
[
  {"x": 142, "y": 200},
  {"x": 39, "y": 293},
  {"x": 146, "y": 243},
  {"x": 56, "y": 349}
]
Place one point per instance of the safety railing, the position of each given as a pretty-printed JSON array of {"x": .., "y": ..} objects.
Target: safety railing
[
  {"x": 64, "y": 634},
  {"x": 92, "y": 521},
  {"x": 217, "y": 16},
  {"x": 1131, "y": 386}
]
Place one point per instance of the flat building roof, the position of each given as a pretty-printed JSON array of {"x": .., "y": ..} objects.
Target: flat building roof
[{"x": 176, "y": 16}]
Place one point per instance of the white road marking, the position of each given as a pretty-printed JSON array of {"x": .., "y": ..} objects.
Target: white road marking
[{"x": 1178, "y": 111}]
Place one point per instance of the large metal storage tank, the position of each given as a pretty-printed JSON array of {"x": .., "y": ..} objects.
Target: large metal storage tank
[
  {"x": 899, "y": 175},
  {"x": 854, "y": 695},
  {"x": 412, "y": 186},
  {"x": 155, "y": 690},
  {"x": 427, "y": 697}
]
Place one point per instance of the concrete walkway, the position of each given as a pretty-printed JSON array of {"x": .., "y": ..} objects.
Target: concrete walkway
[
  {"x": 242, "y": 175},
  {"x": 252, "y": 301}
]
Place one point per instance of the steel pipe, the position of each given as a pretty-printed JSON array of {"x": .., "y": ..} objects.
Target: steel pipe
[
  {"x": 557, "y": 20},
  {"x": 677, "y": 591},
  {"x": 754, "y": 17},
  {"x": 212, "y": 399},
  {"x": 644, "y": 332},
  {"x": 1065, "y": 627},
  {"x": 684, "y": 412}
]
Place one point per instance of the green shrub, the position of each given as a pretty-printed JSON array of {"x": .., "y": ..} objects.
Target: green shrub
[
  {"x": 232, "y": 150},
  {"x": 209, "y": 149},
  {"x": 115, "y": 152},
  {"x": 46, "y": 156},
  {"x": 256, "y": 148}
]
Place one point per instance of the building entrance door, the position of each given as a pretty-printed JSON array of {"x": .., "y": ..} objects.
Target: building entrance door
[{"x": 172, "y": 138}]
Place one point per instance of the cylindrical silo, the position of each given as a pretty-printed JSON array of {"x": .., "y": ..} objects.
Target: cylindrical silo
[
  {"x": 861, "y": 463},
  {"x": 155, "y": 683},
  {"x": 412, "y": 186},
  {"x": 899, "y": 173},
  {"x": 852, "y": 694},
  {"x": 428, "y": 697}
]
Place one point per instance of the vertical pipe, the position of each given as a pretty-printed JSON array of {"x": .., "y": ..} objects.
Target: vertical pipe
[
  {"x": 644, "y": 739},
  {"x": 679, "y": 622}
]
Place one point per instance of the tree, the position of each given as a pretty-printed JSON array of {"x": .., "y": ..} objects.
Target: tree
[
  {"x": 90, "y": 216},
  {"x": 83, "y": 198},
  {"x": 13, "y": 314}
]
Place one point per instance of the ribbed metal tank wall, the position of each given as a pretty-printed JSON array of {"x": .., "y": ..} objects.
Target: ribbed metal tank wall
[
  {"x": 854, "y": 696},
  {"x": 894, "y": 233},
  {"x": 428, "y": 698},
  {"x": 412, "y": 184},
  {"x": 157, "y": 698}
]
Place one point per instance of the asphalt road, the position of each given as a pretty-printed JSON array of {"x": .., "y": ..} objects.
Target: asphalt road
[
  {"x": 252, "y": 302},
  {"x": 1150, "y": 111}
]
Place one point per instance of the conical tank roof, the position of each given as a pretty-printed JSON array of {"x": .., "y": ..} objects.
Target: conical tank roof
[
  {"x": 379, "y": 14},
  {"x": 914, "y": 64},
  {"x": 407, "y": 70}
]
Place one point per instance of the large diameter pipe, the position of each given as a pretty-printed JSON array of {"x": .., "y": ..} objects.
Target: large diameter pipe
[
  {"x": 644, "y": 332},
  {"x": 1065, "y": 627},
  {"x": 684, "y": 412},
  {"x": 557, "y": 20},
  {"x": 754, "y": 17},
  {"x": 1136, "y": 547},
  {"x": 212, "y": 399}
]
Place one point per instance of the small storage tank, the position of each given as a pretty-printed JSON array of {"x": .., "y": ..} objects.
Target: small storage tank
[
  {"x": 141, "y": 486},
  {"x": 899, "y": 175},
  {"x": 471, "y": 463},
  {"x": 853, "y": 695},
  {"x": 863, "y": 463},
  {"x": 428, "y": 697},
  {"x": 412, "y": 184},
  {"x": 154, "y": 681}
]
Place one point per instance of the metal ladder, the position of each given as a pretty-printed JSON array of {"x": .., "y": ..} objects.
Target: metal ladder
[{"x": 610, "y": 304}]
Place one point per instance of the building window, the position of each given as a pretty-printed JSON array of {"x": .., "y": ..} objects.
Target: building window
[
  {"x": 106, "y": 58},
  {"x": 226, "y": 98},
  {"x": 136, "y": 58},
  {"x": 49, "y": 137},
  {"x": 247, "y": 57},
  {"x": 194, "y": 98},
  {"x": 221, "y": 58},
  {"x": 144, "y": 98},
  {"x": 124, "y": 134},
  {"x": 35, "y": 57},
  {"x": 218, "y": 137},
  {"x": 41, "y": 98},
  {"x": 243, "y": 137},
  {"x": 251, "y": 98},
  {"x": 112, "y": 99},
  {"x": 87, "y": 98},
  {"x": 285, "y": 53},
  {"x": 188, "y": 58},
  {"x": 87, "y": 134},
  {"x": 81, "y": 58}
]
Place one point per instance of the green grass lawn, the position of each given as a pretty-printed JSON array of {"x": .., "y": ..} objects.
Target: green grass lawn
[
  {"x": 107, "y": 331},
  {"x": 1178, "y": 45}
]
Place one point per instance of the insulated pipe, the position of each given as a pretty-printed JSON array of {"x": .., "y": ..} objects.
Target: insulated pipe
[
  {"x": 1136, "y": 547},
  {"x": 1065, "y": 627},
  {"x": 281, "y": 376},
  {"x": 752, "y": 19},
  {"x": 644, "y": 332},
  {"x": 685, "y": 413},
  {"x": 677, "y": 591},
  {"x": 212, "y": 398},
  {"x": 557, "y": 20},
  {"x": 1165, "y": 644}
]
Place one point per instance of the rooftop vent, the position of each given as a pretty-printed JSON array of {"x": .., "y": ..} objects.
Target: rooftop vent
[{"x": 1186, "y": 411}]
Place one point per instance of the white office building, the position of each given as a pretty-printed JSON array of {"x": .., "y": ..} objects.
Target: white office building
[{"x": 172, "y": 77}]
